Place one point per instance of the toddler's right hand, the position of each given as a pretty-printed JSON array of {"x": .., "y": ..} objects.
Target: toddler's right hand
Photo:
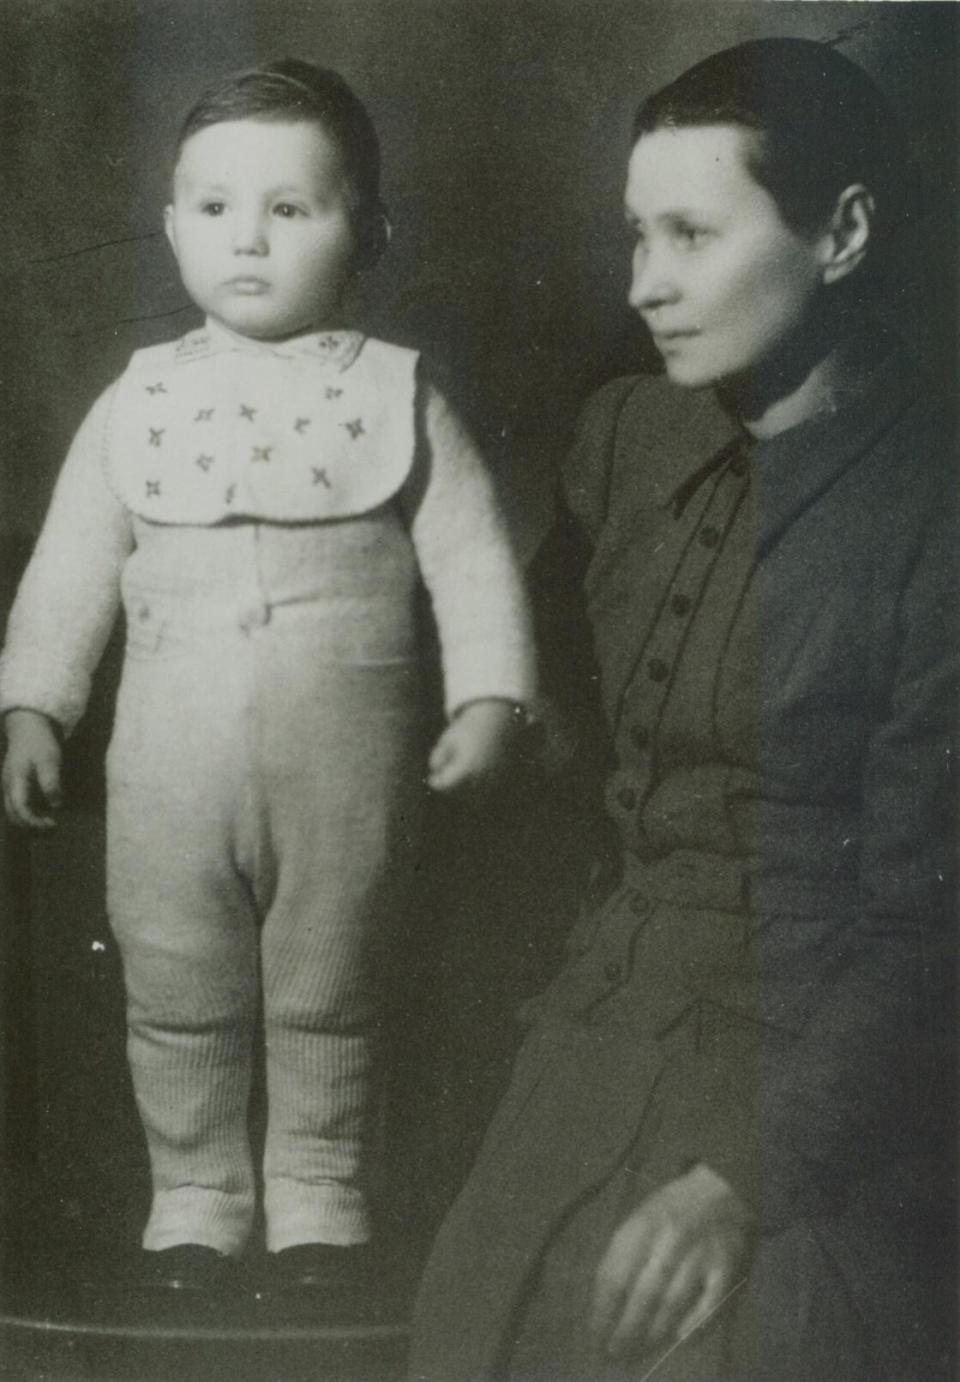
[{"x": 31, "y": 769}]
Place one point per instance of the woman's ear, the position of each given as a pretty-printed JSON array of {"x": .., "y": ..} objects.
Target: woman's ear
[
  {"x": 848, "y": 233},
  {"x": 373, "y": 237}
]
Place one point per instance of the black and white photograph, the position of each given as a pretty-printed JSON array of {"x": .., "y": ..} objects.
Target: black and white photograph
[{"x": 480, "y": 690}]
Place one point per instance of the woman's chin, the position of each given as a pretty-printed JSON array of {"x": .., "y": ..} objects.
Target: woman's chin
[{"x": 689, "y": 374}]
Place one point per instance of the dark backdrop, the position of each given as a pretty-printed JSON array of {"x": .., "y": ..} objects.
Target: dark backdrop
[
  {"x": 504, "y": 130},
  {"x": 504, "y": 126}
]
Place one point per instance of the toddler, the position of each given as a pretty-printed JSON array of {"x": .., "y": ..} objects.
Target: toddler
[{"x": 264, "y": 495}]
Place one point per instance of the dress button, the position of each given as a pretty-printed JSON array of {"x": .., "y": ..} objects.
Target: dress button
[
  {"x": 657, "y": 670},
  {"x": 612, "y": 971},
  {"x": 627, "y": 798},
  {"x": 640, "y": 736},
  {"x": 709, "y": 537},
  {"x": 680, "y": 604}
]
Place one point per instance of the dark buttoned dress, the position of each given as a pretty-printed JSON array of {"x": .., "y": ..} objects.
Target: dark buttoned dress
[{"x": 764, "y": 984}]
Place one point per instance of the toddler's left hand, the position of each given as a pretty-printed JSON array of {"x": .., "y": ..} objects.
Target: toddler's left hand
[{"x": 475, "y": 746}]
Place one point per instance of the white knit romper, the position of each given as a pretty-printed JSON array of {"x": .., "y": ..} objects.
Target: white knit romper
[{"x": 266, "y": 765}]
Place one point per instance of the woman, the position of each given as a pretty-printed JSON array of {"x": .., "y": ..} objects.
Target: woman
[{"x": 721, "y": 1153}]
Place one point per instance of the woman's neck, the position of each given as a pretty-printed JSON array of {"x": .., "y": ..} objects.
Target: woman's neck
[{"x": 811, "y": 379}]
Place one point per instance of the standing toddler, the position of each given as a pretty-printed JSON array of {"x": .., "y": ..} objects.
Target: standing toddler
[{"x": 265, "y": 495}]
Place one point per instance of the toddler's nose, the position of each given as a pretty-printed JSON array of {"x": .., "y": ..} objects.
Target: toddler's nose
[{"x": 249, "y": 236}]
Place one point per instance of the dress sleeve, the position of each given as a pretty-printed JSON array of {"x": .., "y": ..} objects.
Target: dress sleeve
[
  {"x": 587, "y": 472},
  {"x": 883, "y": 1038},
  {"x": 68, "y": 598},
  {"x": 575, "y": 747},
  {"x": 467, "y": 562}
]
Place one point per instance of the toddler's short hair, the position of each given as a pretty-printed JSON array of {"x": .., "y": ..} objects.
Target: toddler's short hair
[{"x": 290, "y": 89}]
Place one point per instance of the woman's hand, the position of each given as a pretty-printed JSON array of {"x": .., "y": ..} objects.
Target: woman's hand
[
  {"x": 670, "y": 1264},
  {"x": 475, "y": 746},
  {"x": 31, "y": 769}
]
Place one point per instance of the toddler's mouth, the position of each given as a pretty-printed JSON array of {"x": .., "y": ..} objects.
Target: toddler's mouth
[{"x": 246, "y": 283}]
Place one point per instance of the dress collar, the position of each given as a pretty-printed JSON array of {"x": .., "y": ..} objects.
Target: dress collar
[
  {"x": 793, "y": 467},
  {"x": 337, "y": 348}
]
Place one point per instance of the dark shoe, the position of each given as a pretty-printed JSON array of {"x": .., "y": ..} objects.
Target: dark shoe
[
  {"x": 324, "y": 1283},
  {"x": 189, "y": 1277},
  {"x": 187, "y": 1267}
]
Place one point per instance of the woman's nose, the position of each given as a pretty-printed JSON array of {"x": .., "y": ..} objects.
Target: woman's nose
[{"x": 652, "y": 284}]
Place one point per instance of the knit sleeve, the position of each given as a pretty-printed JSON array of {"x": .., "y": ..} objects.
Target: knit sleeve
[
  {"x": 68, "y": 598},
  {"x": 467, "y": 562}
]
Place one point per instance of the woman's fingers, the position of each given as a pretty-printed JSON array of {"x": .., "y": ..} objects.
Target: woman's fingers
[
  {"x": 669, "y": 1263},
  {"x": 671, "y": 1297},
  {"x": 680, "y": 1295},
  {"x": 614, "y": 1276},
  {"x": 632, "y": 1330},
  {"x": 715, "y": 1287},
  {"x": 628, "y": 1279}
]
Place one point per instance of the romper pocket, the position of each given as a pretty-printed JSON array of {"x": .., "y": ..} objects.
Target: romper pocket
[
  {"x": 156, "y": 631},
  {"x": 146, "y": 628}
]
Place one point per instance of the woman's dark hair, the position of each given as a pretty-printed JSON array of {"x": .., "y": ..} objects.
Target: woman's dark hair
[
  {"x": 820, "y": 121},
  {"x": 290, "y": 90}
]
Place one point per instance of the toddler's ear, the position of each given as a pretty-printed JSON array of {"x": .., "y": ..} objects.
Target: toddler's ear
[
  {"x": 168, "y": 229},
  {"x": 373, "y": 237}
]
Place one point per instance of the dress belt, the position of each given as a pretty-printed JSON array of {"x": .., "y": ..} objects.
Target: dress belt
[{"x": 690, "y": 878}]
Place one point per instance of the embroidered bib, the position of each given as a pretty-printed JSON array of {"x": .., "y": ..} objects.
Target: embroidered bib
[{"x": 202, "y": 429}]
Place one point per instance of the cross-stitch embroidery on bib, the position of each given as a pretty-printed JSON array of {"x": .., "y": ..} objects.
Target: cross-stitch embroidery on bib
[{"x": 202, "y": 430}]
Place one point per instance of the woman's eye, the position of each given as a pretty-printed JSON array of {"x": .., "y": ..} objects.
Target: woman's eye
[
  {"x": 691, "y": 237},
  {"x": 287, "y": 210},
  {"x": 213, "y": 208},
  {"x": 637, "y": 240}
]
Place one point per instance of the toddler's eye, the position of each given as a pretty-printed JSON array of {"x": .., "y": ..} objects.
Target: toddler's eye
[
  {"x": 213, "y": 208},
  {"x": 287, "y": 210}
]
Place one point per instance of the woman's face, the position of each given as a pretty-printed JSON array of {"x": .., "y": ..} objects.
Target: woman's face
[{"x": 719, "y": 278}]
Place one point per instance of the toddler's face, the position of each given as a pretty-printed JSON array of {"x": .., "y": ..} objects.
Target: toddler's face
[{"x": 260, "y": 225}]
